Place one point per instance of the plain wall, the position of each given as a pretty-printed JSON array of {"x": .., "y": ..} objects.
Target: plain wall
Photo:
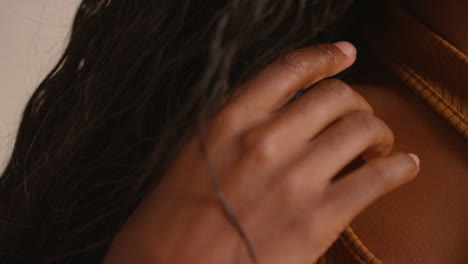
[{"x": 33, "y": 33}]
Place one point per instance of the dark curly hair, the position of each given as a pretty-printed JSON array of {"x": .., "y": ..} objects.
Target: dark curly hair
[{"x": 134, "y": 83}]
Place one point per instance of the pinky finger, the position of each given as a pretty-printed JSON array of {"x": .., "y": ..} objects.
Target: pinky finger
[{"x": 351, "y": 194}]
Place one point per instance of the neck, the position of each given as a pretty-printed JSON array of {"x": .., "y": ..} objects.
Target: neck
[{"x": 447, "y": 18}]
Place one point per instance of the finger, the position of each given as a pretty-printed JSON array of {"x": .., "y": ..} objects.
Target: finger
[
  {"x": 340, "y": 143},
  {"x": 305, "y": 117},
  {"x": 274, "y": 85},
  {"x": 348, "y": 196}
]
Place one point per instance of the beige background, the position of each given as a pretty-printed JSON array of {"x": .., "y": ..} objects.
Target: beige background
[{"x": 32, "y": 35}]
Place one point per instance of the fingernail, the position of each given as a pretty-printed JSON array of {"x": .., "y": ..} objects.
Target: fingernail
[
  {"x": 346, "y": 47},
  {"x": 414, "y": 157}
]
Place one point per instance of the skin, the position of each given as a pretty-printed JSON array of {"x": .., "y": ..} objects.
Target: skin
[
  {"x": 279, "y": 186},
  {"x": 403, "y": 218}
]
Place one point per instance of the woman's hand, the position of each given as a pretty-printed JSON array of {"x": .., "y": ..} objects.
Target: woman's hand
[{"x": 275, "y": 163}]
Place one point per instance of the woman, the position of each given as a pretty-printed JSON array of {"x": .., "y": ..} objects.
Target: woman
[{"x": 169, "y": 133}]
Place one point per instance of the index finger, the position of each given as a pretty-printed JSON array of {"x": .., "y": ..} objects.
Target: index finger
[{"x": 279, "y": 81}]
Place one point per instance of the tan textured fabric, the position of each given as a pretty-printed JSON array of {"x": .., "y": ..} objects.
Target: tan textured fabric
[{"x": 426, "y": 63}]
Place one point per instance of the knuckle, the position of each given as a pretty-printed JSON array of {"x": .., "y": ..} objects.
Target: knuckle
[
  {"x": 340, "y": 88},
  {"x": 381, "y": 172},
  {"x": 374, "y": 127},
  {"x": 260, "y": 146},
  {"x": 347, "y": 94},
  {"x": 381, "y": 175},
  {"x": 295, "y": 61},
  {"x": 366, "y": 121},
  {"x": 328, "y": 54}
]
